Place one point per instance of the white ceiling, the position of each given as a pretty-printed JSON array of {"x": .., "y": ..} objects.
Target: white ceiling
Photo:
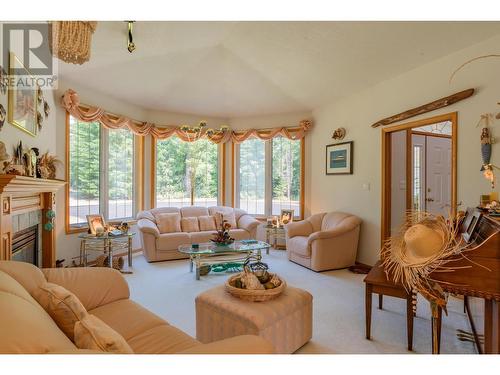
[{"x": 233, "y": 69}]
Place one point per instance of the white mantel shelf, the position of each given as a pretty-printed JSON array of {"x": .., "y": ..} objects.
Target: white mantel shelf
[{"x": 10, "y": 183}]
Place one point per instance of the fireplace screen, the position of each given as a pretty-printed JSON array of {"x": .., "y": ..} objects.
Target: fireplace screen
[{"x": 25, "y": 245}]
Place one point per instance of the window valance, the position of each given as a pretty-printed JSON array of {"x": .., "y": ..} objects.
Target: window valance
[{"x": 71, "y": 103}]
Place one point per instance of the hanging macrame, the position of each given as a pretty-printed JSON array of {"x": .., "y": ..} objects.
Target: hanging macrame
[{"x": 71, "y": 40}]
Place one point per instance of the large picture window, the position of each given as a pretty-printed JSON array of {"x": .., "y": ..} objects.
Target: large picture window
[
  {"x": 101, "y": 172},
  {"x": 186, "y": 173},
  {"x": 268, "y": 176}
]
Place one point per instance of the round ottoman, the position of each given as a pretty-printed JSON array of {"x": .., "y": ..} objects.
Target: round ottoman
[{"x": 286, "y": 321}]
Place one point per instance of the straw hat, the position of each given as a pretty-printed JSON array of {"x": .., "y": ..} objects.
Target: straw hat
[{"x": 422, "y": 243}]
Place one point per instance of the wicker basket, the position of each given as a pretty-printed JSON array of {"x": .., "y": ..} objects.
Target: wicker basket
[{"x": 253, "y": 295}]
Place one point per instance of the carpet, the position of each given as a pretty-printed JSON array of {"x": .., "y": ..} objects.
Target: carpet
[{"x": 168, "y": 289}]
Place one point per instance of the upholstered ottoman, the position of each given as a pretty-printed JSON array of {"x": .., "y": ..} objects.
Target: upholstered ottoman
[{"x": 286, "y": 321}]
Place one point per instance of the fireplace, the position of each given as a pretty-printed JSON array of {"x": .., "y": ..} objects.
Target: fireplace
[
  {"x": 24, "y": 203},
  {"x": 25, "y": 246}
]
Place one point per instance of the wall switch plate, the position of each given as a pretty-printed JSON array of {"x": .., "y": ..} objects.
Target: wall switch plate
[{"x": 366, "y": 186}]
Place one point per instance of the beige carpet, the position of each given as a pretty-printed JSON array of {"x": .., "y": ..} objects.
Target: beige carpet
[{"x": 168, "y": 289}]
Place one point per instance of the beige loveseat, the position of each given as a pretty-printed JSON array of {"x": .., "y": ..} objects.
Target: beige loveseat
[
  {"x": 25, "y": 327},
  {"x": 159, "y": 246},
  {"x": 323, "y": 241}
]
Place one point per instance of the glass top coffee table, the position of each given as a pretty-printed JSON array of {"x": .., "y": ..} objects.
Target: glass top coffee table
[{"x": 210, "y": 256}]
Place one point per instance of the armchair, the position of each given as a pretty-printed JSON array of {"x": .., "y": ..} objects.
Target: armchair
[{"x": 324, "y": 241}]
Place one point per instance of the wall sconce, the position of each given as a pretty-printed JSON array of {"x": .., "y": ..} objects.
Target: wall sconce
[{"x": 339, "y": 134}]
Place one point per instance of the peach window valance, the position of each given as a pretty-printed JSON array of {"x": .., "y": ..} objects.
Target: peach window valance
[{"x": 71, "y": 103}]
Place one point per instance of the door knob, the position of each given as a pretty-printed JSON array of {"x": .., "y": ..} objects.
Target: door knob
[{"x": 430, "y": 199}]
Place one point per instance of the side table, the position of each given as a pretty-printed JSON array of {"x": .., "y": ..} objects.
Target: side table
[
  {"x": 276, "y": 233},
  {"x": 106, "y": 244}
]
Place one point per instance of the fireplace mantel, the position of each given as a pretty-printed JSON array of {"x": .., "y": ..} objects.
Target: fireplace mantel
[{"x": 20, "y": 194}]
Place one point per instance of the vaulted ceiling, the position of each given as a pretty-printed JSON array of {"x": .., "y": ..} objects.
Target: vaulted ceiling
[{"x": 232, "y": 69}]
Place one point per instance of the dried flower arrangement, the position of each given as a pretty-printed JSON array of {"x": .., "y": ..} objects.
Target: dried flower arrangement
[{"x": 222, "y": 237}]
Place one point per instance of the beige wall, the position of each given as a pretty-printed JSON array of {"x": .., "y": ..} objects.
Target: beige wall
[{"x": 414, "y": 88}]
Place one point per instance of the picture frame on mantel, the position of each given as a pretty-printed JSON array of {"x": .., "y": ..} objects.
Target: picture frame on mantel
[
  {"x": 22, "y": 111},
  {"x": 339, "y": 158}
]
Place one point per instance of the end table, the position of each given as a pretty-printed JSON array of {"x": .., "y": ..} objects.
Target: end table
[
  {"x": 276, "y": 233},
  {"x": 106, "y": 244}
]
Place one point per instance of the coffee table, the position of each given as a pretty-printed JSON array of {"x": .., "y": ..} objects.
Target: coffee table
[{"x": 211, "y": 254}]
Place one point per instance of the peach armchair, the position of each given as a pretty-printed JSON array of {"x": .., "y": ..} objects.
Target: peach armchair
[{"x": 324, "y": 241}]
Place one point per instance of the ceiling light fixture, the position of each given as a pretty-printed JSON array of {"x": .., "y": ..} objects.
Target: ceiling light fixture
[{"x": 130, "y": 39}]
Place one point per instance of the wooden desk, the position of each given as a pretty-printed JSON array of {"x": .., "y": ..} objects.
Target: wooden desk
[
  {"x": 376, "y": 282},
  {"x": 479, "y": 281}
]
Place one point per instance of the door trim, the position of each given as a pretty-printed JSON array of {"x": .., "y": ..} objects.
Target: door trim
[{"x": 385, "y": 220}]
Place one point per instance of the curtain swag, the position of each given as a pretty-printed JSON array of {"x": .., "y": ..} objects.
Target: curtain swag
[{"x": 71, "y": 103}]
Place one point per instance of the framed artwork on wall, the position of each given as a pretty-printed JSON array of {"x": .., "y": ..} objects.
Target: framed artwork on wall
[
  {"x": 22, "y": 111},
  {"x": 339, "y": 158}
]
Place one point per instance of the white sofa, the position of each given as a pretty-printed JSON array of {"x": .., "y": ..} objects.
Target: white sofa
[{"x": 158, "y": 246}]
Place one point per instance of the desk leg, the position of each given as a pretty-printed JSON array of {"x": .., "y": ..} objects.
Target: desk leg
[
  {"x": 409, "y": 322},
  {"x": 436, "y": 328},
  {"x": 368, "y": 309},
  {"x": 380, "y": 301}
]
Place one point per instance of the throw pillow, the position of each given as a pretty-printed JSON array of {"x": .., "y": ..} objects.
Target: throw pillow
[
  {"x": 64, "y": 307},
  {"x": 168, "y": 222},
  {"x": 190, "y": 224},
  {"x": 229, "y": 217},
  {"x": 93, "y": 334},
  {"x": 207, "y": 223}
]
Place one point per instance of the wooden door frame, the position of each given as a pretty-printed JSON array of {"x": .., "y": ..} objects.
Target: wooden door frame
[{"x": 385, "y": 221}]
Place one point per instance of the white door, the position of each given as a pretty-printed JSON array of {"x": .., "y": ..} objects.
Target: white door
[{"x": 438, "y": 175}]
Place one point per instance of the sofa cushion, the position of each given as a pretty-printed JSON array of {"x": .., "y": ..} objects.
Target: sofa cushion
[
  {"x": 239, "y": 234},
  {"x": 127, "y": 318},
  {"x": 93, "y": 334},
  {"x": 227, "y": 210},
  {"x": 62, "y": 305},
  {"x": 229, "y": 217},
  {"x": 9, "y": 285},
  {"x": 26, "y": 328},
  {"x": 172, "y": 241},
  {"x": 200, "y": 237},
  {"x": 168, "y": 222},
  {"x": 26, "y": 274},
  {"x": 190, "y": 224},
  {"x": 206, "y": 222},
  {"x": 162, "y": 339},
  {"x": 298, "y": 245},
  {"x": 193, "y": 211}
]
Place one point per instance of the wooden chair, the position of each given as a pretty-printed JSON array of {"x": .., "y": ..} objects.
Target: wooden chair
[{"x": 376, "y": 282}]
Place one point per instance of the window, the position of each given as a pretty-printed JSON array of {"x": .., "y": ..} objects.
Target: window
[
  {"x": 285, "y": 175},
  {"x": 186, "y": 173},
  {"x": 252, "y": 176},
  {"x": 268, "y": 176},
  {"x": 101, "y": 172}
]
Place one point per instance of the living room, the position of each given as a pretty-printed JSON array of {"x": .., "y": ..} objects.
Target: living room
[{"x": 240, "y": 184}]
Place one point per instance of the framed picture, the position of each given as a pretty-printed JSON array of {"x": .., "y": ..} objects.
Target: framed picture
[
  {"x": 469, "y": 225},
  {"x": 96, "y": 224},
  {"x": 22, "y": 111},
  {"x": 286, "y": 216},
  {"x": 339, "y": 158}
]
